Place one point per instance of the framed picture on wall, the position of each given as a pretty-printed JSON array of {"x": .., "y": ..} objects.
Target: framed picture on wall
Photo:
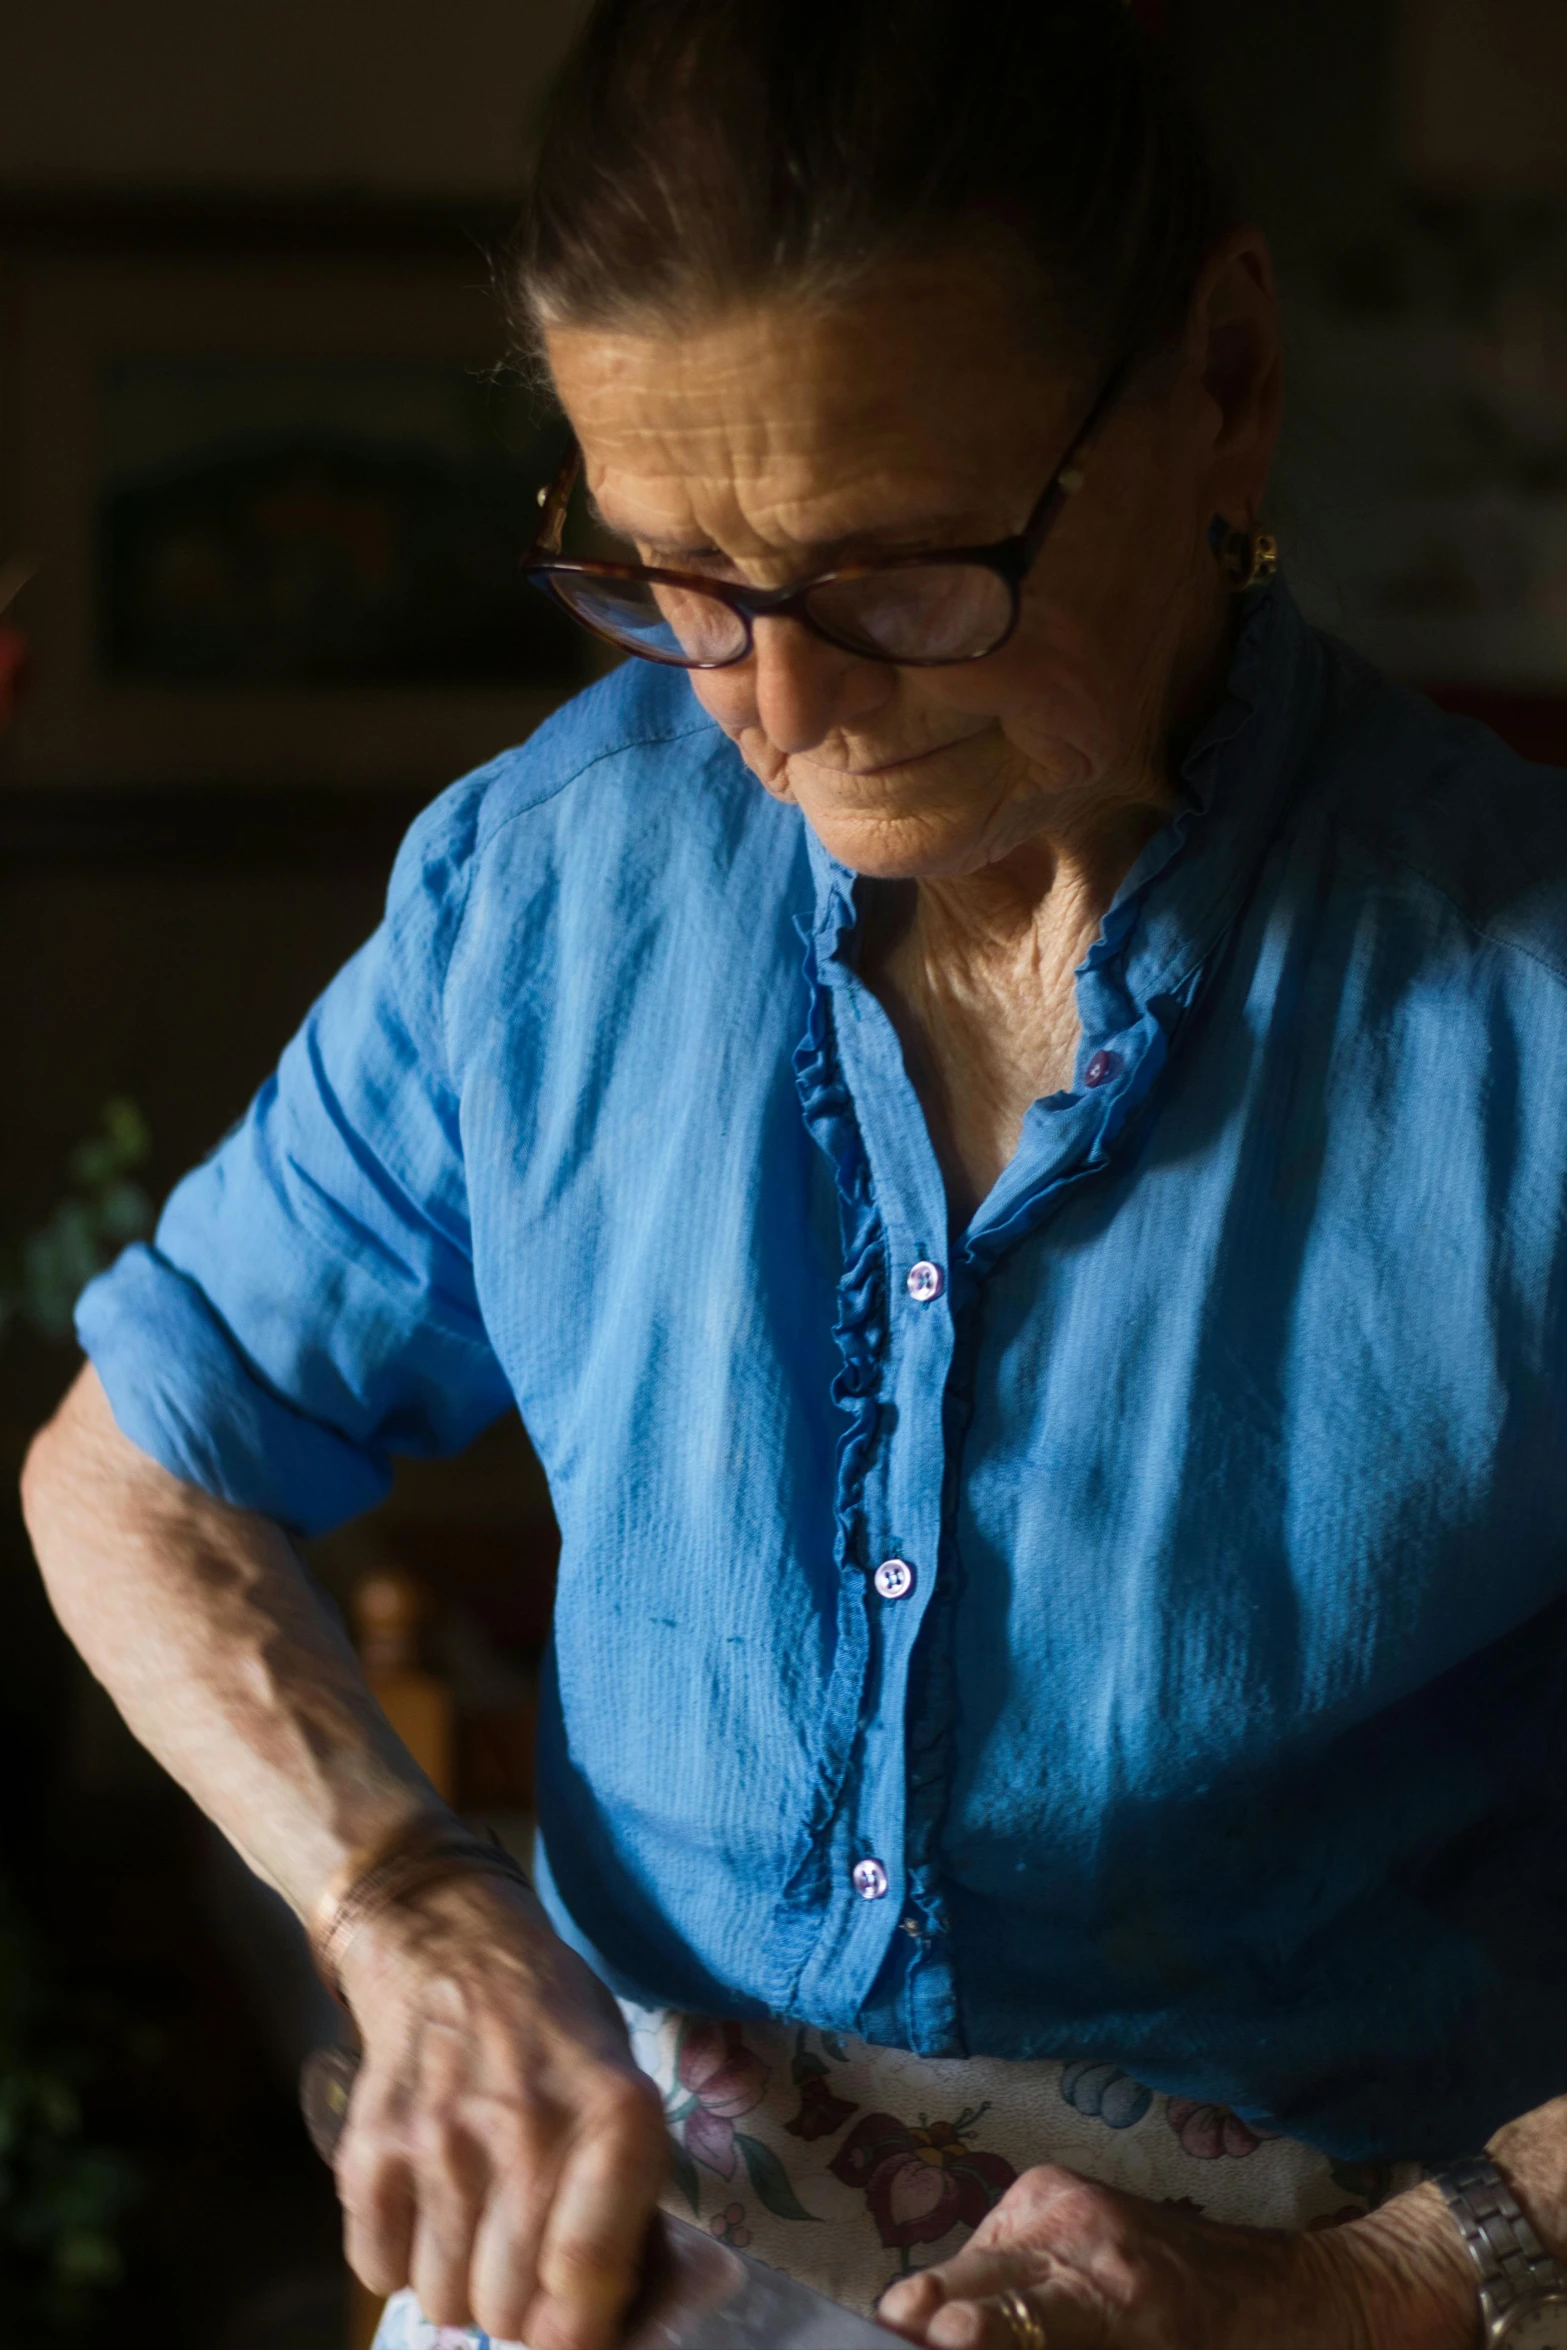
[{"x": 274, "y": 506}]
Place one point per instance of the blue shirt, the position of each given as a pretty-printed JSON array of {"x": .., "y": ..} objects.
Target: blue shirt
[{"x": 1219, "y": 1731}]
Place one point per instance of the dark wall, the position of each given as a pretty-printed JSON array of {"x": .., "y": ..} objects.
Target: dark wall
[{"x": 165, "y": 948}]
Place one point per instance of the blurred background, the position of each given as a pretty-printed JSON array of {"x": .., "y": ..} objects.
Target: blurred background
[{"x": 263, "y": 484}]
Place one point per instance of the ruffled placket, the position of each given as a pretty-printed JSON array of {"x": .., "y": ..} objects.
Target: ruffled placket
[{"x": 860, "y": 1335}]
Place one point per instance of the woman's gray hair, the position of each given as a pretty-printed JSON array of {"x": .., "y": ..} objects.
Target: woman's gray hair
[{"x": 701, "y": 153}]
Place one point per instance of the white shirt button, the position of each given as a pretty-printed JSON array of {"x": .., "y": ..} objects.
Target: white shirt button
[
  {"x": 894, "y": 1578},
  {"x": 870, "y": 1880},
  {"x": 925, "y": 1283}
]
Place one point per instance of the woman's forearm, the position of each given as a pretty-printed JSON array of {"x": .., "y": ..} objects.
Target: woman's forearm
[
  {"x": 202, "y": 1624},
  {"x": 502, "y": 2151}
]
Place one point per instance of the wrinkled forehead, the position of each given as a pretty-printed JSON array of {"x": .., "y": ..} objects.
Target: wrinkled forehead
[{"x": 807, "y": 423}]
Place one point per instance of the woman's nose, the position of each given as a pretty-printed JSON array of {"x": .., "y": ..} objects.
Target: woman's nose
[{"x": 806, "y": 687}]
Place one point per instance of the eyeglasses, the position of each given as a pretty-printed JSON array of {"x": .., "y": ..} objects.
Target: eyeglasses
[{"x": 920, "y": 611}]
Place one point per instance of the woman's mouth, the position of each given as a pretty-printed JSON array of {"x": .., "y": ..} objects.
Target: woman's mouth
[{"x": 884, "y": 766}]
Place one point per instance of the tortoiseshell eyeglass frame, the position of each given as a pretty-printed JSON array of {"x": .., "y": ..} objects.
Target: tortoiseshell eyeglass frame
[{"x": 1011, "y": 559}]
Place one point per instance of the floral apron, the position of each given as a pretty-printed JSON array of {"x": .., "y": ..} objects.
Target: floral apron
[{"x": 848, "y": 2165}]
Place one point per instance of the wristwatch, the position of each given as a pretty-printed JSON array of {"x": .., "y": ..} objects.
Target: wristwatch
[{"x": 1523, "y": 2291}]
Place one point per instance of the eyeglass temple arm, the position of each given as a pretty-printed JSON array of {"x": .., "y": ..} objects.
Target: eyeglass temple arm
[
  {"x": 1067, "y": 479},
  {"x": 554, "y": 501}
]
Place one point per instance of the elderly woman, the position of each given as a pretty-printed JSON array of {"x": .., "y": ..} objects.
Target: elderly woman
[{"x": 1000, "y": 1106}]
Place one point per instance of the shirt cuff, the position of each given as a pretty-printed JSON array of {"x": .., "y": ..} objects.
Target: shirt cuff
[{"x": 183, "y": 1393}]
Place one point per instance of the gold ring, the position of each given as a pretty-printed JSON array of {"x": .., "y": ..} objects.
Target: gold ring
[{"x": 1023, "y": 2319}]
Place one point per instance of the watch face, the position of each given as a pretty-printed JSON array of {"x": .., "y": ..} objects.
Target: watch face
[{"x": 1536, "y": 2325}]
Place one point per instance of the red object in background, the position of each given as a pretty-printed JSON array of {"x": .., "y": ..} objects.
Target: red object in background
[
  {"x": 16, "y": 668},
  {"x": 1150, "y": 14}
]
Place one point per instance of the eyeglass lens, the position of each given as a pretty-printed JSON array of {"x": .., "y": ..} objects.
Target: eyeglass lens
[
  {"x": 927, "y": 613},
  {"x": 666, "y": 624}
]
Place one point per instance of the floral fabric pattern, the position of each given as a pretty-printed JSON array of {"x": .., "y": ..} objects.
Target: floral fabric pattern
[
  {"x": 722, "y": 2080},
  {"x": 729, "y": 2226},
  {"x": 848, "y": 2165},
  {"x": 1210, "y": 2132},
  {"x": 822, "y": 2112},
  {"x": 1105, "y": 2094},
  {"x": 921, "y": 2183}
]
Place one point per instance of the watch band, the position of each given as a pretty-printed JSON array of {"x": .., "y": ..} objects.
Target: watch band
[{"x": 1511, "y": 2263}]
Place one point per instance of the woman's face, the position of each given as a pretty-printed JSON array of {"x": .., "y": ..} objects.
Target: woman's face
[{"x": 786, "y": 438}]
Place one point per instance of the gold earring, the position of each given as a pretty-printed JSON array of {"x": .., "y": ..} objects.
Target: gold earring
[{"x": 1247, "y": 558}]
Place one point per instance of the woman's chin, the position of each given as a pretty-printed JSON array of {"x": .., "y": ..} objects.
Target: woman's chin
[
  {"x": 914, "y": 822},
  {"x": 888, "y": 846}
]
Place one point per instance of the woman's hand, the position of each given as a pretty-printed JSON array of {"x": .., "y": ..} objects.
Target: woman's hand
[
  {"x": 503, "y": 2154},
  {"x": 1105, "y": 2271}
]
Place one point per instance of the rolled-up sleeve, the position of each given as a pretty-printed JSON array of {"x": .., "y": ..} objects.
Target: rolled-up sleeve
[{"x": 307, "y": 1307}]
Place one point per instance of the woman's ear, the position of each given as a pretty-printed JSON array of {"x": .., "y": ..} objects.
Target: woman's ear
[{"x": 1234, "y": 351}]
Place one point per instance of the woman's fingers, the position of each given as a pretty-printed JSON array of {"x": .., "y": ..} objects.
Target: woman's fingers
[
  {"x": 967, "y": 2319},
  {"x": 961, "y": 2314},
  {"x": 451, "y": 2187},
  {"x": 378, "y": 2228},
  {"x": 375, "y": 2187},
  {"x": 510, "y": 2235},
  {"x": 598, "y": 2220},
  {"x": 909, "y": 2305},
  {"x": 503, "y": 2277},
  {"x": 990, "y": 2325},
  {"x": 933, "y": 2306}
]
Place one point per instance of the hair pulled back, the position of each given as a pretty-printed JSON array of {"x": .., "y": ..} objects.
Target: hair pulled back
[{"x": 702, "y": 153}]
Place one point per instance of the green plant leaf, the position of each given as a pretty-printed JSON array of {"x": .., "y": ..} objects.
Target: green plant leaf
[
  {"x": 59, "y": 2106},
  {"x": 57, "y": 1263},
  {"x": 41, "y": 1280},
  {"x": 84, "y": 2257},
  {"x": 92, "y": 1164},
  {"x": 61, "y": 2202},
  {"x": 125, "y": 1211},
  {"x": 771, "y": 2180},
  {"x": 127, "y": 1130}
]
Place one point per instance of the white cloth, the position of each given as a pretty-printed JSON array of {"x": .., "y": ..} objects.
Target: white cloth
[{"x": 847, "y": 2165}]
